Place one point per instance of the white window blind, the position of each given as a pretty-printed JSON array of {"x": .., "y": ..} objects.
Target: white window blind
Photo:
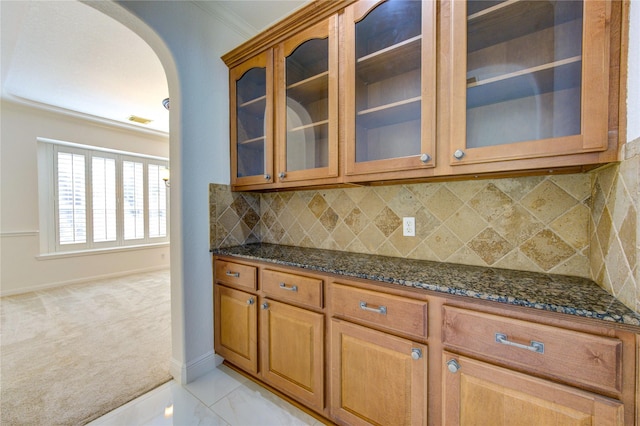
[
  {"x": 72, "y": 205},
  {"x": 104, "y": 198}
]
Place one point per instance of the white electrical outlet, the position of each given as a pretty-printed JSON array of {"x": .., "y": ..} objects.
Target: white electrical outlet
[{"x": 409, "y": 226}]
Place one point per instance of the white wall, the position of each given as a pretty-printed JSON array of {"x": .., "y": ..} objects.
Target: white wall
[
  {"x": 189, "y": 43},
  {"x": 21, "y": 268}
]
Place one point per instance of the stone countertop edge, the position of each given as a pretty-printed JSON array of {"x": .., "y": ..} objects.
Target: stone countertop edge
[{"x": 557, "y": 293}]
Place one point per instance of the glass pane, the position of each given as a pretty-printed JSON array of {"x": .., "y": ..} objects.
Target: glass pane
[
  {"x": 388, "y": 81},
  {"x": 72, "y": 203},
  {"x": 103, "y": 184},
  {"x": 251, "y": 102},
  {"x": 307, "y": 79},
  {"x": 157, "y": 202},
  {"x": 524, "y": 69},
  {"x": 133, "y": 192}
]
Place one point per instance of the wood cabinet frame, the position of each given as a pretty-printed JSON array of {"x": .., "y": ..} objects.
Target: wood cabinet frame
[
  {"x": 444, "y": 102},
  {"x": 623, "y": 398}
]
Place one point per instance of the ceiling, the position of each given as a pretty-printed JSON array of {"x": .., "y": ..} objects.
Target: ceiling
[{"x": 55, "y": 53}]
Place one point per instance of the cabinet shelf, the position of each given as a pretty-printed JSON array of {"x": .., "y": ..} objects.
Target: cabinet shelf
[
  {"x": 252, "y": 141},
  {"x": 553, "y": 76},
  {"x": 310, "y": 89},
  {"x": 393, "y": 60},
  {"x": 516, "y": 18},
  {"x": 384, "y": 115},
  {"x": 308, "y": 126},
  {"x": 254, "y": 106}
]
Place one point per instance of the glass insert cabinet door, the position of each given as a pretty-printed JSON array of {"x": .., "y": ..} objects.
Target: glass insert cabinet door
[
  {"x": 307, "y": 104},
  {"x": 390, "y": 94},
  {"x": 532, "y": 81},
  {"x": 252, "y": 123}
]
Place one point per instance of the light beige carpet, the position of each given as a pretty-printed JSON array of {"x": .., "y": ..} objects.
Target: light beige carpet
[{"x": 71, "y": 354}]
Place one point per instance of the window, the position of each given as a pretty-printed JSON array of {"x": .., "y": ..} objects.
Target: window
[{"x": 101, "y": 198}]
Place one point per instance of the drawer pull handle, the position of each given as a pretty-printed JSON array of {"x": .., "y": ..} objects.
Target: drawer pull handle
[
  {"x": 233, "y": 274},
  {"x": 533, "y": 347},
  {"x": 380, "y": 310},
  {"x": 292, "y": 288}
]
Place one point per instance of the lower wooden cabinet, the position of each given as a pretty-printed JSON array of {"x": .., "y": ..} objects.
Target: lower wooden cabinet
[
  {"x": 355, "y": 352},
  {"x": 236, "y": 327},
  {"x": 292, "y": 351},
  {"x": 377, "y": 378},
  {"x": 478, "y": 393}
]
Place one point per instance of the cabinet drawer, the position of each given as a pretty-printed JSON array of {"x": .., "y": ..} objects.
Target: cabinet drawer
[
  {"x": 236, "y": 274},
  {"x": 570, "y": 356},
  {"x": 384, "y": 311},
  {"x": 293, "y": 288}
]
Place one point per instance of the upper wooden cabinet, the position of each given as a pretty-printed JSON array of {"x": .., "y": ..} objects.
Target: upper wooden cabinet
[
  {"x": 527, "y": 80},
  {"x": 378, "y": 90},
  {"x": 390, "y": 86},
  {"x": 251, "y": 110},
  {"x": 307, "y": 104}
]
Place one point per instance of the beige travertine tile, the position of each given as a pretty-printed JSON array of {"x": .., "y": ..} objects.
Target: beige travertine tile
[
  {"x": 404, "y": 203},
  {"x": 466, "y": 256},
  {"x": 466, "y": 223},
  {"x": 577, "y": 265},
  {"x": 329, "y": 219},
  {"x": 317, "y": 205},
  {"x": 404, "y": 245},
  {"x": 387, "y": 221},
  {"x": 426, "y": 223},
  {"x": 490, "y": 202},
  {"x": 570, "y": 226},
  {"x": 443, "y": 243},
  {"x": 343, "y": 236},
  {"x": 576, "y": 185},
  {"x": 443, "y": 203},
  {"x": 629, "y": 236},
  {"x": 317, "y": 234},
  {"x": 603, "y": 231},
  {"x": 356, "y": 221},
  {"x": 518, "y": 188},
  {"x": 490, "y": 246},
  {"x": 516, "y": 259},
  {"x": 465, "y": 190},
  {"x": 371, "y": 204},
  {"x": 517, "y": 225},
  {"x": 546, "y": 249},
  {"x": 547, "y": 201},
  {"x": 371, "y": 238},
  {"x": 343, "y": 204},
  {"x": 423, "y": 251}
]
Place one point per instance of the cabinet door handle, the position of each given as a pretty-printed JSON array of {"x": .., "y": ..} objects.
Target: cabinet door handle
[
  {"x": 425, "y": 158},
  {"x": 265, "y": 306},
  {"x": 251, "y": 301},
  {"x": 233, "y": 274},
  {"x": 537, "y": 347},
  {"x": 380, "y": 310},
  {"x": 416, "y": 353},
  {"x": 292, "y": 288}
]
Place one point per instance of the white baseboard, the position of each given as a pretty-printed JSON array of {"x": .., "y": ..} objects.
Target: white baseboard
[
  {"x": 49, "y": 286},
  {"x": 186, "y": 373}
]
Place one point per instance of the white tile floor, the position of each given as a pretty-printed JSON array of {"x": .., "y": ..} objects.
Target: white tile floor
[{"x": 222, "y": 397}]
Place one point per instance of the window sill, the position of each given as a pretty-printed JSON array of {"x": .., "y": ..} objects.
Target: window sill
[{"x": 94, "y": 252}]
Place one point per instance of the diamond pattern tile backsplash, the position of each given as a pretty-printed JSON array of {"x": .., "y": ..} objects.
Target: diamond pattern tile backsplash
[
  {"x": 614, "y": 228},
  {"x": 532, "y": 223}
]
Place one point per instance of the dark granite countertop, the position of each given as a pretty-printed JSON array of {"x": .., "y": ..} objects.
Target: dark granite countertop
[{"x": 557, "y": 293}]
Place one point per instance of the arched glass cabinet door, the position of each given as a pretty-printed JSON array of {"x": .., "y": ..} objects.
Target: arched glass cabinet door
[
  {"x": 390, "y": 90},
  {"x": 251, "y": 122},
  {"x": 307, "y": 104},
  {"x": 529, "y": 79}
]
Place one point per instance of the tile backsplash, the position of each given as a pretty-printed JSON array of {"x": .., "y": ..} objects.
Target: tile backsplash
[
  {"x": 536, "y": 223},
  {"x": 614, "y": 227},
  {"x": 585, "y": 225}
]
